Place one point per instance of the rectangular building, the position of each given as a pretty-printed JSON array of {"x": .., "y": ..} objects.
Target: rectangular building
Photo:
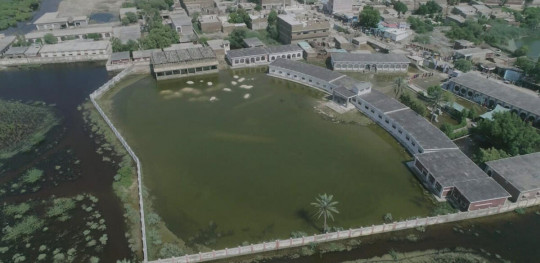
[
  {"x": 53, "y": 21},
  {"x": 181, "y": 24},
  {"x": 335, "y": 6},
  {"x": 262, "y": 55},
  {"x": 519, "y": 175},
  {"x": 76, "y": 48},
  {"x": 478, "y": 194},
  {"x": 369, "y": 62},
  {"x": 105, "y": 32},
  {"x": 309, "y": 27},
  {"x": 209, "y": 24},
  {"x": 5, "y": 43},
  {"x": 183, "y": 63}
]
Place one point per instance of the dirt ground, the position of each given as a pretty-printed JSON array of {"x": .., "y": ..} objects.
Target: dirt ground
[{"x": 88, "y": 7}]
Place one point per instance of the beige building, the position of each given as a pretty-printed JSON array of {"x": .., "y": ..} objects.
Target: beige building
[
  {"x": 76, "y": 48},
  {"x": 310, "y": 27},
  {"x": 275, "y": 4}
]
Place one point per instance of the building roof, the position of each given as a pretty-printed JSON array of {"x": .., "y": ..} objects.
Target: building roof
[
  {"x": 522, "y": 171},
  {"x": 182, "y": 55},
  {"x": 120, "y": 56},
  {"x": 489, "y": 115},
  {"x": 180, "y": 20},
  {"x": 217, "y": 43},
  {"x": 253, "y": 42},
  {"x": 382, "y": 102},
  {"x": 450, "y": 166},
  {"x": 15, "y": 51},
  {"x": 341, "y": 39},
  {"x": 500, "y": 91},
  {"x": 284, "y": 48},
  {"x": 369, "y": 58},
  {"x": 351, "y": 83},
  {"x": 33, "y": 50},
  {"x": 426, "y": 135},
  {"x": 70, "y": 31},
  {"x": 306, "y": 47},
  {"x": 243, "y": 52},
  {"x": 143, "y": 53},
  {"x": 481, "y": 189},
  {"x": 52, "y": 17},
  {"x": 308, "y": 69},
  {"x": 6, "y": 41},
  {"x": 75, "y": 45},
  {"x": 127, "y": 33},
  {"x": 209, "y": 19}
]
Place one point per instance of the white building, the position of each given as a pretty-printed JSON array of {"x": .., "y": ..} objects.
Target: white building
[
  {"x": 262, "y": 55},
  {"x": 369, "y": 62},
  {"x": 53, "y": 21},
  {"x": 396, "y": 34}
]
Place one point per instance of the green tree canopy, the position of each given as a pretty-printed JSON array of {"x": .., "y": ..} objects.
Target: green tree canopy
[
  {"x": 420, "y": 26},
  {"x": 509, "y": 133},
  {"x": 430, "y": 7},
  {"x": 240, "y": 16},
  {"x": 463, "y": 65},
  {"x": 326, "y": 208},
  {"x": 521, "y": 51},
  {"x": 369, "y": 17},
  {"x": 50, "y": 39},
  {"x": 490, "y": 154},
  {"x": 236, "y": 37},
  {"x": 159, "y": 36},
  {"x": 400, "y": 7}
]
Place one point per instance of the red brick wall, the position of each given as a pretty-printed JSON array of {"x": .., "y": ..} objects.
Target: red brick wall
[{"x": 486, "y": 204}]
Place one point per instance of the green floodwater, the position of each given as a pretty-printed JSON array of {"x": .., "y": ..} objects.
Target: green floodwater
[
  {"x": 251, "y": 167},
  {"x": 532, "y": 42}
]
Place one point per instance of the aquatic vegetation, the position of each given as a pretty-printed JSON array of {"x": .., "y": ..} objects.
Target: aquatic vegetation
[
  {"x": 32, "y": 176},
  {"x": 60, "y": 207},
  {"x": 23, "y": 125}
]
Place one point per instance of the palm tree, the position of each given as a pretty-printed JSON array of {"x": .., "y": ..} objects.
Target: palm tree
[
  {"x": 400, "y": 84},
  {"x": 325, "y": 207}
]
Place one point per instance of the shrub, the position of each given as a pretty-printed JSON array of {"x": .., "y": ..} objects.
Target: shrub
[
  {"x": 170, "y": 250},
  {"x": 388, "y": 217},
  {"x": 32, "y": 176},
  {"x": 60, "y": 206}
]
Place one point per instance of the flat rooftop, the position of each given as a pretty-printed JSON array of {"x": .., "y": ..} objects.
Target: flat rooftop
[
  {"x": 382, "y": 102},
  {"x": 500, "y": 91},
  {"x": 351, "y": 83},
  {"x": 450, "y": 166},
  {"x": 182, "y": 55},
  {"x": 70, "y": 31},
  {"x": 481, "y": 189},
  {"x": 6, "y": 41},
  {"x": 522, "y": 171},
  {"x": 75, "y": 45},
  {"x": 426, "y": 135},
  {"x": 284, "y": 48},
  {"x": 308, "y": 69},
  {"x": 126, "y": 33},
  {"x": 472, "y": 51},
  {"x": 369, "y": 58},
  {"x": 253, "y": 42}
]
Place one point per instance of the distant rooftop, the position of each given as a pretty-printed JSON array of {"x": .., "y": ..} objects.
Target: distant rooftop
[
  {"x": 70, "y": 31},
  {"x": 283, "y": 48},
  {"x": 504, "y": 92},
  {"x": 370, "y": 58},
  {"x": 522, "y": 171},
  {"x": 253, "y": 42},
  {"x": 426, "y": 135},
  {"x": 6, "y": 41},
  {"x": 182, "y": 55},
  {"x": 450, "y": 167},
  {"x": 120, "y": 56}
]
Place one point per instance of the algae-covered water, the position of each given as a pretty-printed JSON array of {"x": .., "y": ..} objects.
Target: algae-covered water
[{"x": 245, "y": 168}]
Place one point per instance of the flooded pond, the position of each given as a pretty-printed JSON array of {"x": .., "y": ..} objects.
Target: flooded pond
[{"x": 231, "y": 159}]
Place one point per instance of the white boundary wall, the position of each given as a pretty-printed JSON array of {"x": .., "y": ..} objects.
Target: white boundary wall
[
  {"x": 345, "y": 234},
  {"x": 96, "y": 94}
]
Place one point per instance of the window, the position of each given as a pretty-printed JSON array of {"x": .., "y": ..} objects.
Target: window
[
  {"x": 394, "y": 126},
  {"x": 183, "y": 71},
  {"x": 387, "y": 121},
  {"x": 407, "y": 137},
  {"x": 380, "y": 116},
  {"x": 191, "y": 70},
  {"x": 295, "y": 76},
  {"x": 176, "y": 72},
  {"x": 310, "y": 80},
  {"x": 288, "y": 74},
  {"x": 413, "y": 143},
  {"x": 198, "y": 69},
  {"x": 160, "y": 74},
  {"x": 257, "y": 59},
  {"x": 438, "y": 186},
  {"x": 303, "y": 78},
  {"x": 367, "y": 108},
  {"x": 273, "y": 70},
  {"x": 372, "y": 111},
  {"x": 280, "y": 72},
  {"x": 400, "y": 131}
]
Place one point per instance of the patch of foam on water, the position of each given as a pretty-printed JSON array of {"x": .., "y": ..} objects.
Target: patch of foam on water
[
  {"x": 213, "y": 98},
  {"x": 201, "y": 81},
  {"x": 166, "y": 92},
  {"x": 189, "y": 82},
  {"x": 246, "y": 86},
  {"x": 201, "y": 98},
  {"x": 235, "y": 76},
  {"x": 242, "y": 79},
  {"x": 190, "y": 91},
  {"x": 209, "y": 83},
  {"x": 234, "y": 83},
  {"x": 227, "y": 90},
  {"x": 247, "y": 95}
]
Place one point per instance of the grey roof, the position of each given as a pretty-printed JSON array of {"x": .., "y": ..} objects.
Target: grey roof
[
  {"x": 15, "y": 51},
  {"x": 481, "y": 189},
  {"x": 500, "y": 91},
  {"x": 182, "y": 55},
  {"x": 120, "y": 55},
  {"x": 253, "y": 42},
  {"x": 126, "y": 33},
  {"x": 33, "y": 50},
  {"x": 382, "y": 102},
  {"x": 144, "y": 53},
  {"x": 6, "y": 41},
  {"x": 351, "y": 83},
  {"x": 369, "y": 58},
  {"x": 180, "y": 20},
  {"x": 308, "y": 69},
  {"x": 522, "y": 171},
  {"x": 284, "y": 48},
  {"x": 243, "y": 52},
  {"x": 70, "y": 31},
  {"x": 345, "y": 92},
  {"x": 426, "y": 135},
  {"x": 450, "y": 166},
  {"x": 52, "y": 17},
  {"x": 75, "y": 45}
]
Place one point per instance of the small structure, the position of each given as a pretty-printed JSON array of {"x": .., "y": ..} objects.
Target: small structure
[
  {"x": 15, "y": 52},
  {"x": 53, "y": 21},
  {"x": 143, "y": 56},
  {"x": 519, "y": 175},
  {"x": 227, "y": 27},
  {"x": 342, "y": 43},
  {"x": 5, "y": 43},
  {"x": 396, "y": 34},
  {"x": 32, "y": 51},
  {"x": 104, "y": 32},
  {"x": 183, "y": 62},
  {"x": 335, "y": 6},
  {"x": 455, "y": 19},
  {"x": 258, "y": 21},
  {"x": 253, "y": 42},
  {"x": 463, "y": 44},
  {"x": 473, "y": 54},
  {"x": 209, "y": 24},
  {"x": 465, "y": 11},
  {"x": 247, "y": 56},
  {"x": 292, "y": 51},
  {"x": 308, "y": 26},
  {"x": 359, "y": 41},
  {"x": 369, "y": 62},
  {"x": 489, "y": 115},
  {"x": 127, "y": 33},
  {"x": 219, "y": 46},
  {"x": 309, "y": 52},
  {"x": 120, "y": 58},
  {"x": 478, "y": 194},
  {"x": 77, "y": 48},
  {"x": 181, "y": 24}
]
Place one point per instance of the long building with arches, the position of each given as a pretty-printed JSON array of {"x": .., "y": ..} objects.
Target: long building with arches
[
  {"x": 262, "y": 55},
  {"x": 490, "y": 93},
  {"x": 369, "y": 62}
]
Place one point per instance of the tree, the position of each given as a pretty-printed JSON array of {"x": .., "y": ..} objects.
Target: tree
[
  {"x": 50, "y": 39},
  {"x": 240, "y": 16},
  {"x": 369, "y": 17},
  {"x": 420, "y": 26},
  {"x": 463, "y": 65},
  {"x": 490, "y": 154},
  {"x": 431, "y": 7},
  {"x": 525, "y": 64},
  {"x": 399, "y": 84},
  {"x": 237, "y": 36},
  {"x": 400, "y": 7},
  {"x": 521, "y": 51},
  {"x": 412, "y": 103},
  {"x": 271, "y": 28},
  {"x": 437, "y": 96},
  {"x": 325, "y": 208},
  {"x": 159, "y": 36},
  {"x": 509, "y": 133}
]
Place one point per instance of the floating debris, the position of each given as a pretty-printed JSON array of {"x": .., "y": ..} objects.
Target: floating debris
[
  {"x": 210, "y": 83},
  {"x": 247, "y": 95},
  {"x": 166, "y": 92},
  {"x": 201, "y": 80},
  {"x": 213, "y": 98},
  {"x": 235, "y": 76},
  {"x": 189, "y": 82},
  {"x": 227, "y": 90},
  {"x": 246, "y": 86},
  {"x": 234, "y": 82},
  {"x": 242, "y": 79}
]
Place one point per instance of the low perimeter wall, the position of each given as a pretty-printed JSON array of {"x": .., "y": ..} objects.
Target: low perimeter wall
[
  {"x": 52, "y": 60},
  {"x": 96, "y": 94}
]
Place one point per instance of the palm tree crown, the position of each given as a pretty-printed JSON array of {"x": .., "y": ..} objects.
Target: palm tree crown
[{"x": 325, "y": 208}]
